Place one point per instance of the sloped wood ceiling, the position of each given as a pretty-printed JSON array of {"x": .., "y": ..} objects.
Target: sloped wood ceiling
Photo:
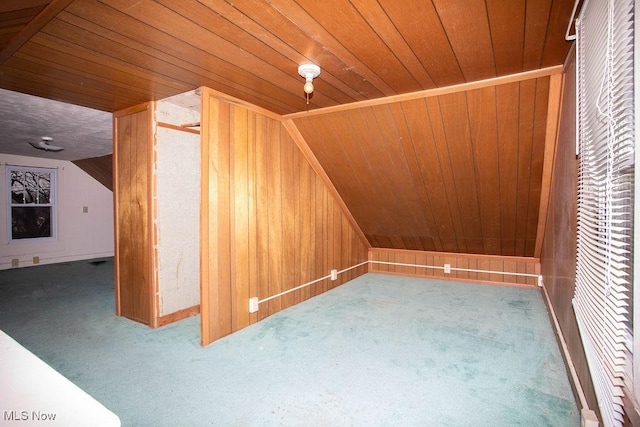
[{"x": 460, "y": 172}]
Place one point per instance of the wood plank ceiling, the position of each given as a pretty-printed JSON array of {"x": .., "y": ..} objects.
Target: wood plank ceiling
[{"x": 459, "y": 172}]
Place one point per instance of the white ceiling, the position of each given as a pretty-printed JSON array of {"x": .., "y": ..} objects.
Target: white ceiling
[{"x": 83, "y": 132}]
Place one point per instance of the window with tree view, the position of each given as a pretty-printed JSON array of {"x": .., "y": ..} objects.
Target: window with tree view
[{"x": 32, "y": 205}]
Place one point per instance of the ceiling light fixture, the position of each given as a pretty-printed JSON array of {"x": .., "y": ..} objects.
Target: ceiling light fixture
[
  {"x": 309, "y": 72},
  {"x": 45, "y": 144}
]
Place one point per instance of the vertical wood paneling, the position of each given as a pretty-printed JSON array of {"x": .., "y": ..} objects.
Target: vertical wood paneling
[
  {"x": 537, "y": 12},
  {"x": 134, "y": 273},
  {"x": 541, "y": 139},
  {"x": 482, "y": 117},
  {"x": 274, "y": 214},
  {"x": 508, "y": 101},
  {"x": 297, "y": 228},
  {"x": 297, "y": 232},
  {"x": 551, "y": 134},
  {"x": 416, "y": 117},
  {"x": 432, "y": 44},
  {"x": 526, "y": 120},
  {"x": 262, "y": 204},
  {"x": 459, "y": 171},
  {"x": 487, "y": 263},
  {"x": 469, "y": 36},
  {"x": 320, "y": 264},
  {"x": 461, "y": 158},
  {"x": 287, "y": 211},
  {"x": 455, "y": 241},
  {"x": 240, "y": 192},
  {"x": 558, "y": 255},
  {"x": 507, "y": 23},
  {"x": 252, "y": 186},
  {"x": 224, "y": 218}
]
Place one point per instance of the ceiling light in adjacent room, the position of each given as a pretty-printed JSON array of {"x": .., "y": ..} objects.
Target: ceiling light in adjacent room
[{"x": 45, "y": 144}]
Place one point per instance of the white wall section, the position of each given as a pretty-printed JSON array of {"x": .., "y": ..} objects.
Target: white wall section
[{"x": 80, "y": 235}]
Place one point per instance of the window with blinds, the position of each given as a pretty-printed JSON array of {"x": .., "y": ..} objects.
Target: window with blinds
[{"x": 606, "y": 139}]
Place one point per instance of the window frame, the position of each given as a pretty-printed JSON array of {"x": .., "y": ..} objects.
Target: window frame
[{"x": 53, "y": 202}]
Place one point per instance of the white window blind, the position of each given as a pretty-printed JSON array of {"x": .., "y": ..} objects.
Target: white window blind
[{"x": 606, "y": 138}]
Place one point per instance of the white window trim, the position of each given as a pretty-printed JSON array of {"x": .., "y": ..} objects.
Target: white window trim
[{"x": 53, "y": 204}]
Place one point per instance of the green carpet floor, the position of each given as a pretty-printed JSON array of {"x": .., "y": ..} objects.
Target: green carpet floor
[{"x": 377, "y": 351}]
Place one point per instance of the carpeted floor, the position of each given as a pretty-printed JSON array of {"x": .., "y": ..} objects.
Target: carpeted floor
[{"x": 378, "y": 351}]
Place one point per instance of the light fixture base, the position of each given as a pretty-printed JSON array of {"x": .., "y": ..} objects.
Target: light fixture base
[{"x": 309, "y": 71}]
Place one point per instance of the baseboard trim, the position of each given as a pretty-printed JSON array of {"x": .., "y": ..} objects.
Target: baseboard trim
[
  {"x": 178, "y": 315},
  {"x": 587, "y": 414},
  {"x": 455, "y": 279}
]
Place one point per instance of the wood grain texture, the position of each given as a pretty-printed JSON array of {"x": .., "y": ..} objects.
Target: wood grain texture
[
  {"x": 23, "y": 23},
  {"x": 100, "y": 168},
  {"x": 558, "y": 254},
  {"x": 493, "y": 269},
  {"x": 120, "y": 53},
  {"x": 455, "y": 172},
  {"x": 179, "y": 315},
  {"x": 269, "y": 224},
  {"x": 133, "y": 231}
]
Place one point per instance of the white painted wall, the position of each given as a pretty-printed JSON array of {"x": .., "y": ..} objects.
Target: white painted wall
[{"x": 80, "y": 235}]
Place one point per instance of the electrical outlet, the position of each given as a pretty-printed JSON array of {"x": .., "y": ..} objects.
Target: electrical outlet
[
  {"x": 36, "y": 260},
  {"x": 85, "y": 209},
  {"x": 253, "y": 304},
  {"x": 15, "y": 262},
  {"x": 334, "y": 274},
  {"x": 447, "y": 268}
]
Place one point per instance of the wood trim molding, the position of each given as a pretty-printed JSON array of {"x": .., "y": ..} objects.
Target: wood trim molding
[
  {"x": 291, "y": 127},
  {"x": 556, "y": 86},
  {"x": 631, "y": 408},
  {"x": 131, "y": 110},
  {"x": 205, "y": 271},
  {"x": 178, "y": 315},
  {"x": 457, "y": 254},
  {"x": 36, "y": 24},
  {"x": 12, "y": 6},
  {"x": 152, "y": 215},
  {"x": 527, "y": 75},
  {"x": 116, "y": 213},
  {"x": 178, "y": 128},
  {"x": 236, "y": 101}
]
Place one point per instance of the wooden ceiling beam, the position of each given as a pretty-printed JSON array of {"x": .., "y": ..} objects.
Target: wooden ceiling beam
[
  {"x": 534, "y": 74},
  {"x": 550, "y": 144},
  {"x": 13, "y": 5},
  {"x": 33, "y": 27}
]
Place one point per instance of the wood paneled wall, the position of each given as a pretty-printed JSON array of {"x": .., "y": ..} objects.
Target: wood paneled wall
[
  {"x": 269, "y": 223},
  {"x": 558, "y": 259},
  {"x": 100, "y": 168},
  {"x": 494, "y": 263},
  {"x": 132, "y": 157},
  {"x": 453, "y": 171}
]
